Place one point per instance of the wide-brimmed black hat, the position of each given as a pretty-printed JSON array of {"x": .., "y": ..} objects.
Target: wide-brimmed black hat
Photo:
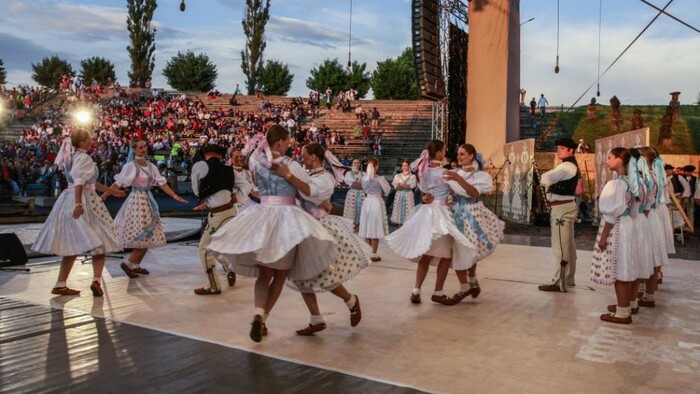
[
  {"x": 689, "y": 168},
  {"x": 567, "y": 142},
  {"x": 214, "y": 148}
]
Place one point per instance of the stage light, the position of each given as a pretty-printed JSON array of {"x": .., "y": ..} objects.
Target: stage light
[
  {"x": 182, "y": 6},
  {"x": 82, "y": 116}
]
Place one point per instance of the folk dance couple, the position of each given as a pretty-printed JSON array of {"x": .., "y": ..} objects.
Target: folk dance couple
[
  {"x": 631, "y": 245},
  {"x": 80, "y": 223},
  {"x": 457, "y": 235},
  {"x": 310, "y": 250}
]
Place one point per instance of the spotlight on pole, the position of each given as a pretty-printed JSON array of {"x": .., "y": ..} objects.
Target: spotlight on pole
[{"x": 182, "y": 6}]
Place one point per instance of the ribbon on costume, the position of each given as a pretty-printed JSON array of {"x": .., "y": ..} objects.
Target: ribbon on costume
[
  {"x": 479, "y": 160},
  {"x": 658, "y": 165},
  {"x": 633, "y": 177},
  {"x": 370, "y": 171},
  {"x": 65, "y": 154},
  {"x": 421, "y": 163},
  {"x": 336, "y": 166}
]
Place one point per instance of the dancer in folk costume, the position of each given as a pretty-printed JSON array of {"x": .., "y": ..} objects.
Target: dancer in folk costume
[
  {"x": 356, "y": 195},
  {"x": 79, "y": 222},
  {"x": 481, "y": 226},
  {"x": 664, "y": 214},
  {"x": 292, "y": 244},
  {"x": 404, "y": 183},
  {"x": 243, "y": 186},
  {"x": 138, "y": 221},
  {"x": 639, "y": 184},
  {"x": 431, "y": 231},
  {"x": 616, "y": 248},
  {"x": 561, "y": 192},
  {"x": 655, "y": 172},
  {"x": 212, "y": 182},
  {"x": 352, "y": 256},
  {"x": 373, "y": 222}
]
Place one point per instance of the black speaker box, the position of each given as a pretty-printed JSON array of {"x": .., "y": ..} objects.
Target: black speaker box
[{"x": 11, "y": 250}]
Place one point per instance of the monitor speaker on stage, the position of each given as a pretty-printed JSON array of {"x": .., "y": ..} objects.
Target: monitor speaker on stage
[
  {"x": 425, "y": 18},
  {"x": 12, "y": 251}
]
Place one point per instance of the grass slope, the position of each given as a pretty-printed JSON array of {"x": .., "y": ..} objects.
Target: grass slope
[{"x": 685, "y": 137}]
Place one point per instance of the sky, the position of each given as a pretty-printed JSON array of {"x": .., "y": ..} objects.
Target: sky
[{"x": 303, "y": 33}]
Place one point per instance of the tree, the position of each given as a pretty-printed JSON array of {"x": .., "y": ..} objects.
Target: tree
[
  {"x": 142, "y": 35},
  {"x": 359, "y": 79},
  {"x": 97, "y": 68},
  {"x": 275, "y": 78},
  {"x": 191, "y": 72},
  {"x": 329, "y": 73},
  {"x": 254, "y": 21},
  {"x": 395, "y": 79},
  {"x": 49, "y": 71},
  {"x": 3, "y": 73}
]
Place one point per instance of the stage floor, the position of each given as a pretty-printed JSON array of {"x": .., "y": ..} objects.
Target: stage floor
[{"x": 513, "y": 338}]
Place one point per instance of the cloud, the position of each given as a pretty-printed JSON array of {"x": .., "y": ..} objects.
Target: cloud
[
  {"x": 315, "y": 34},
  {"x": 19, "y": 53}
]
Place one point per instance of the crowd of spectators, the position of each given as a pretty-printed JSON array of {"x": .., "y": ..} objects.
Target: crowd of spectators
[
  {"x": 174, "y": 125},
  {"x": 16, "y": 102}
]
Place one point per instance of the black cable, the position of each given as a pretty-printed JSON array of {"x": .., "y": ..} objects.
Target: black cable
[
  {"x": 623, "y": 52},
  {"x": 669, "y": 15},
  {"x": 556, "y": 66},
  {"x": 600, "y": 24}
]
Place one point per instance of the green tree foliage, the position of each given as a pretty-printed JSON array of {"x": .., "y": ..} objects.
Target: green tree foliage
[
  {"x": 49, "y": 71},
  {"x": 254, "y": 21},
  {"x": 275, "y": 78},
  {"x": 358, "y": 78},
  {"x": 395, "y": 79},
  {"x": 142, "y": 35},
  {"x": 332, "y": 73},
  {"x": 3, "y": 73},
  {"x": 187, "y": 71},
  {"x": 98, "y": 68}
]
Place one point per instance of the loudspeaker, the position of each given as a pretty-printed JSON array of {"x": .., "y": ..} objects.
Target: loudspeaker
[
  {"x": 425, "y": 18},
  {"x": 12, "y": 251}
]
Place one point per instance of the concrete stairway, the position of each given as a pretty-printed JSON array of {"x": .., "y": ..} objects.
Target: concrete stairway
[{"x": 405, "y": 126}]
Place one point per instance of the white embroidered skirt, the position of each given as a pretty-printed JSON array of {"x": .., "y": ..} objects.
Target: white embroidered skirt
[{"x": 279, "y": 237}]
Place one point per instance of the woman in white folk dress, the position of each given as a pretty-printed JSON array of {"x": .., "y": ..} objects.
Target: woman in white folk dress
[
  {"x": 639, "y": 181},
  {"x": 353, "y": 254},
  {"x": 615, "y": 250},
  {"x": 356, "y": 195},
  {"x": 481, "y": 226},
  {"x": 79, "y": 221},
  {"x": 403, "y": 205},
  {"x": 373, "y": 221},
  {"x": 274, "y": 239},
  {"x": 138, "y": 220},
  {"x": 658, "y": 228},
  {"x": 431, "y": 232}
]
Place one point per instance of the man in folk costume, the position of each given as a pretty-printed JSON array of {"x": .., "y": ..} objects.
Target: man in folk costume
[
  {"x": 561, "y": 189},
  {"x": 212, "y": 182},
  {"x": 689, "y": 201}
]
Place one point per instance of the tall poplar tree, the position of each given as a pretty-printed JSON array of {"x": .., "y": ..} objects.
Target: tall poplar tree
[
  {"x": 142, "y": 35},
  {"x": 254, "y": 21}
]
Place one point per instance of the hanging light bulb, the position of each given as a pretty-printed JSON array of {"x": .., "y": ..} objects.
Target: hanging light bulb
[
  {"x": 182, "y": 6},
  {"x": 556, "y": 67}
]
